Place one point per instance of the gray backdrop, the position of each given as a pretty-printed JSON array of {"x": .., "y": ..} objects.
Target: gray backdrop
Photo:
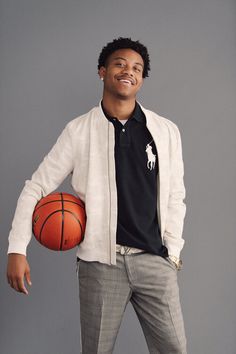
[{"x": 49, "y": 52}]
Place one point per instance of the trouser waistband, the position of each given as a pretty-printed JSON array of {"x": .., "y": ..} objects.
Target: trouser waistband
[{"x": 128, "y": 250}]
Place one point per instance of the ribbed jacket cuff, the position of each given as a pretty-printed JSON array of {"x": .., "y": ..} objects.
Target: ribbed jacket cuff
[{"x": 17, "y": 247}]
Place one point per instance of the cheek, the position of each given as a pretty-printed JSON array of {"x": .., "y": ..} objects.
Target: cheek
[
  {"x": 112, "y": 76},
  {"x": 113, "y": 71},
  {"x": 140, "y": 84}
]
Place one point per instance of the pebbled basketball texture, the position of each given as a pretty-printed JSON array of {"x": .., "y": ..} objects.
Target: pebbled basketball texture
[{"x": 59, "y": 221}]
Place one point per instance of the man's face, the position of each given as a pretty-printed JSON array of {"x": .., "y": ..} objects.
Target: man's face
[{"x": 123, "y": 74}]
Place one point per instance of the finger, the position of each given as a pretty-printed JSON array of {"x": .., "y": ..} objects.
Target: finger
[
  {"x": 28, "y": 278},
  {"x": 21, "y": 286},
  {"x": 10, "y": 282},
  {"x": 14, "y": 285}
]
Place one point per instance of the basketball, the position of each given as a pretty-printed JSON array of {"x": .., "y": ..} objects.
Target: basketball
[{"x": 59, "y": 221}]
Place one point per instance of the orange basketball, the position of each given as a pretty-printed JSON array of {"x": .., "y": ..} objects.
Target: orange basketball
[{"x": 59, "y": 221}]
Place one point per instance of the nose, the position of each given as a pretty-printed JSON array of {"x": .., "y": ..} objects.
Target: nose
[{"x": 128, "y": 69}]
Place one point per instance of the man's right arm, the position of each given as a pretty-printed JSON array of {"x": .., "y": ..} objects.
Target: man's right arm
[{"x": 54, "y": 168}]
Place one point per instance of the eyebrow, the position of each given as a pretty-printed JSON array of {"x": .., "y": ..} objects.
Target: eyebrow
[{"x": 125, "y": 60}]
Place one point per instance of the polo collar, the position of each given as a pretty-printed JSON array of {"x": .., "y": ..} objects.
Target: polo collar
[{"x": 138, "y": 114}]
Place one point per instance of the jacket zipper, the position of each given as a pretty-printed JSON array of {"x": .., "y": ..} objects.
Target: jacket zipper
[
  {"x": 108, "y": 146},
  {"x": 158, "y": 186},
  {"x": 158, "y": 203}
]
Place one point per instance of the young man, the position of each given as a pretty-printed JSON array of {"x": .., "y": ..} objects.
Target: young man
[{"x": 126, "y": 165}]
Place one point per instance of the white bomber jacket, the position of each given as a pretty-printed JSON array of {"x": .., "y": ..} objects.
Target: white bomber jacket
[{"x": 85, "y": 149}]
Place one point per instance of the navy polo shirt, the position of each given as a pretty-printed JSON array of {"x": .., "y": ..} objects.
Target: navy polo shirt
[{"x": 136, "y": 163}]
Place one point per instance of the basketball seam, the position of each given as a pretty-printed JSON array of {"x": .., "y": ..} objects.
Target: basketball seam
[
  {"x": 54, "y": 212},
  {"x": 58, "y": 200}
]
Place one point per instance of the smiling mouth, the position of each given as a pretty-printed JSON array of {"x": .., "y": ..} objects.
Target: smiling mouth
[{"x": 125, "y": 82}]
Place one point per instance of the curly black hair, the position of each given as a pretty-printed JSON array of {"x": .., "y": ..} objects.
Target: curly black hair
[{"x": 125, "y": 43}]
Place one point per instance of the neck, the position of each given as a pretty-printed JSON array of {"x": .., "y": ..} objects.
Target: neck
[{"x": 121, "y": 109}]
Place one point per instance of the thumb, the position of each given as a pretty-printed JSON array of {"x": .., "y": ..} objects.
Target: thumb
[{"x": 27, "y": 277}]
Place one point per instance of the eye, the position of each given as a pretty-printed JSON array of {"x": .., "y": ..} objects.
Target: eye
[
  {"x": 120, "y": 64},
  {"x": 137, "y": 69}
]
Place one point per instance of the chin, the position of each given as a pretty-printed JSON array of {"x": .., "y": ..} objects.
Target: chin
[{"x": 124, "y": 96}]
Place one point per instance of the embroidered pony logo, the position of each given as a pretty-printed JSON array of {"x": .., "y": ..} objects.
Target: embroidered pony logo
[{"x": 151, "y": 157}]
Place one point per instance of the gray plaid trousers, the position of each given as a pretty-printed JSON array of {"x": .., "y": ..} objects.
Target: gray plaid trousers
[{"x": 150, "y": 283}]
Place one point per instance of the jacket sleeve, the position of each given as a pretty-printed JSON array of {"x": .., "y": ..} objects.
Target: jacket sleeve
[
  {"x": 176, "y": 207},
  {"x": 51, "y": 172}
]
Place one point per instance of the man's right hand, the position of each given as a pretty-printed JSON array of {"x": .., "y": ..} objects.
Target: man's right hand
[{"x": 18, "y": 269}]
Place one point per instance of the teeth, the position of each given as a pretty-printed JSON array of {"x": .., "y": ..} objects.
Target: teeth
[{"x": 126, "y": 81}]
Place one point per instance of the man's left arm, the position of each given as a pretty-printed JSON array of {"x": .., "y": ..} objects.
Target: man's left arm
[{"x": 176, "y": 207}]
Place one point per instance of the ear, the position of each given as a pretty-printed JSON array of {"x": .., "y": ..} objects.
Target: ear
[{"x": 102, "y": 72}]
